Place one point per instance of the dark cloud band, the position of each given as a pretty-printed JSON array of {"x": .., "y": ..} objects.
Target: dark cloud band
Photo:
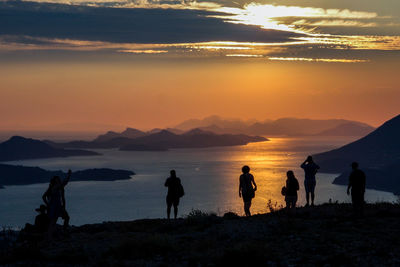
[{"x": 124, "y": 25}]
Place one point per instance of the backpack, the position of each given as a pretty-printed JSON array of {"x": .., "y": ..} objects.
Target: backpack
[
  {"x": 180, "y": 191},
  {"x": 283, "y": 191}
]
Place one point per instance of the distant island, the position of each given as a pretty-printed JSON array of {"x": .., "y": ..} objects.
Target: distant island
[
  {"x": 20, "y": 148},
  {"x": 195, "y": 138},
  {"x": 136, "y": 140},
  {"x": 22, "y": 175},
  {"x": 378, "y": 154}
]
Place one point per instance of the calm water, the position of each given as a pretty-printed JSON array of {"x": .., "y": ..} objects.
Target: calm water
[{"x": 210, "y": 177}]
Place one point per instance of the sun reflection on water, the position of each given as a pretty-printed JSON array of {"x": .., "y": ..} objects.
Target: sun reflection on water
[{"x": 269, "y": 161}]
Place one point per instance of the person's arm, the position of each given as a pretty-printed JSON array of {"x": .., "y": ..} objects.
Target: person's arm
[
  {"x": 166, "y": 183},
  {"x": 297, "y": 185},
  {"x": 350, "y": 185},
  {"x": 240, "y": 187},
  {"x": 63, "y": 199},
  {"x": 364, "y": 181},
  {"x": 303, "y": 165},
  {"x": 254, "y": 183},
  {"x": 66, "y": 180},
  {"x": 44, "y": 197}
]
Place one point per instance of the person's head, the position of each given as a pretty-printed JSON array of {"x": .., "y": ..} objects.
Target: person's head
[
  {"x": 173, "y": 173},
  {"x": 53, "y": 181},
  {"x": 290, "y": 175},
  {"x": 354, "y": 165},
  {"x": 245, "y": 169},
  {"x": 309, "y": 159},
  {"x": 57, "y": 179},
  {"x": 41, "y": 209}
]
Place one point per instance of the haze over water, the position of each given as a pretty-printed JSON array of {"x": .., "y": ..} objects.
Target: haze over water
[{"x": 209, "y": 176}]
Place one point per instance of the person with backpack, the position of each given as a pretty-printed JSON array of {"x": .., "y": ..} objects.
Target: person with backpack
[
  {"x": 290, "y": 191},
  {"x": 175, "y": 192},
  {"x": 246, "y": 189},
  {"x": 356, "y": 186}
]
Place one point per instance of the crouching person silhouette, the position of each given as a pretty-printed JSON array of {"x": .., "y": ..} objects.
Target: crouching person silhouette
[{"x": 175, "y": 192}]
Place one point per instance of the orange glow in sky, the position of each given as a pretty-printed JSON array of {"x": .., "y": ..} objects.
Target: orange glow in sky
[{"x": 146, "y": 95}]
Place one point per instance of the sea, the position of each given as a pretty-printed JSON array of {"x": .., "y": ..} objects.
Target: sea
[{"x": 210, "y": 177}]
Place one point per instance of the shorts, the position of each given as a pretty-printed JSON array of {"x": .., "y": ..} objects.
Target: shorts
[
  {"x": 309, "y": 185},
  {"x": 247, "y": 197},
  {"x": 357, "y": 198},
  {"x": 172, "y": 201}
]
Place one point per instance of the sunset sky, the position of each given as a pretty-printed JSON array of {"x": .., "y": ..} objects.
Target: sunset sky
[{"x": 102, "y": 65}]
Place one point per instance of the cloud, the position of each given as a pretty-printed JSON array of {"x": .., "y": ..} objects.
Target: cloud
[
  {"x": 269, "y": 16},
  {"x": 136, "y": 25},
  {"x": 191, "y": 29},
  {"x": 334, "y": 23},
  {"x": 326, "y": 60}
]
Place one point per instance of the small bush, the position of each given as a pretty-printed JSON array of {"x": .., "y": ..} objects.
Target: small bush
[
  {"x": 273, "y": 207},
  {"x": 198, "y": 214}
]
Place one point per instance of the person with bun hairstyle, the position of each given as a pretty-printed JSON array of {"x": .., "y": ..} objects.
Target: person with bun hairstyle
[{"x": 247, "y": 188}]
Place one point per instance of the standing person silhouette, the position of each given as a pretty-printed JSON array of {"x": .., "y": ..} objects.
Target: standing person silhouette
[
  {"x": 55, "y": 201},
  {"x": 175, "y": 192},
  {"x": 357, "y": 180},
  {"x": 246, "y": 189},
  {"x": 292, "y": 186},
  {"x": 310, "y": 170}
]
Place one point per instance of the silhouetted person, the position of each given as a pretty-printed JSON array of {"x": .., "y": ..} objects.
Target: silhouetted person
[
  {"x": 42, "y": 220},
  {"x": 246, "y": 189},
  {"x": 34, "y": 233},
  {"x": 357, "y": 180},
  {"x": 292, "y": 186},
  {"x": 64, "y": 213},
  {"x": 310, "y": 170},
  {"x": 55, "y": 201},
  {"x": 175, "y": 192}
]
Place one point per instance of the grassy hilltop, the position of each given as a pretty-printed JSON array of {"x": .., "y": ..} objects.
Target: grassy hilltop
[{"x": 325, "y": 235}]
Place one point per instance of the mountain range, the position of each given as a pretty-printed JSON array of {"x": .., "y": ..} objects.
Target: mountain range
[
  {"x": 195, "y": 138},
  {"x": 284, "y": 126},
  {"x": 378, "y": 154},
  {"x": 132, "y": 139}
]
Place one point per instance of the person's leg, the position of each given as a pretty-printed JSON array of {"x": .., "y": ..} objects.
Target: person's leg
[
  {"x": 169, "y": 205},
  {"x": 66, "y": 219},
  {"x": 312, "y": 193},
  {"x": 312, "y": 198},
  {"x": 247, "y": 208},
  {"x": 294, "y": 201},
  {"x": 307, "y": 193},
  {"x": 356, "y": 204},
  {"x": 175, "y": 211},
  {"x": 52, "y": 228},
  {"x": 362, "y": 205}
]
